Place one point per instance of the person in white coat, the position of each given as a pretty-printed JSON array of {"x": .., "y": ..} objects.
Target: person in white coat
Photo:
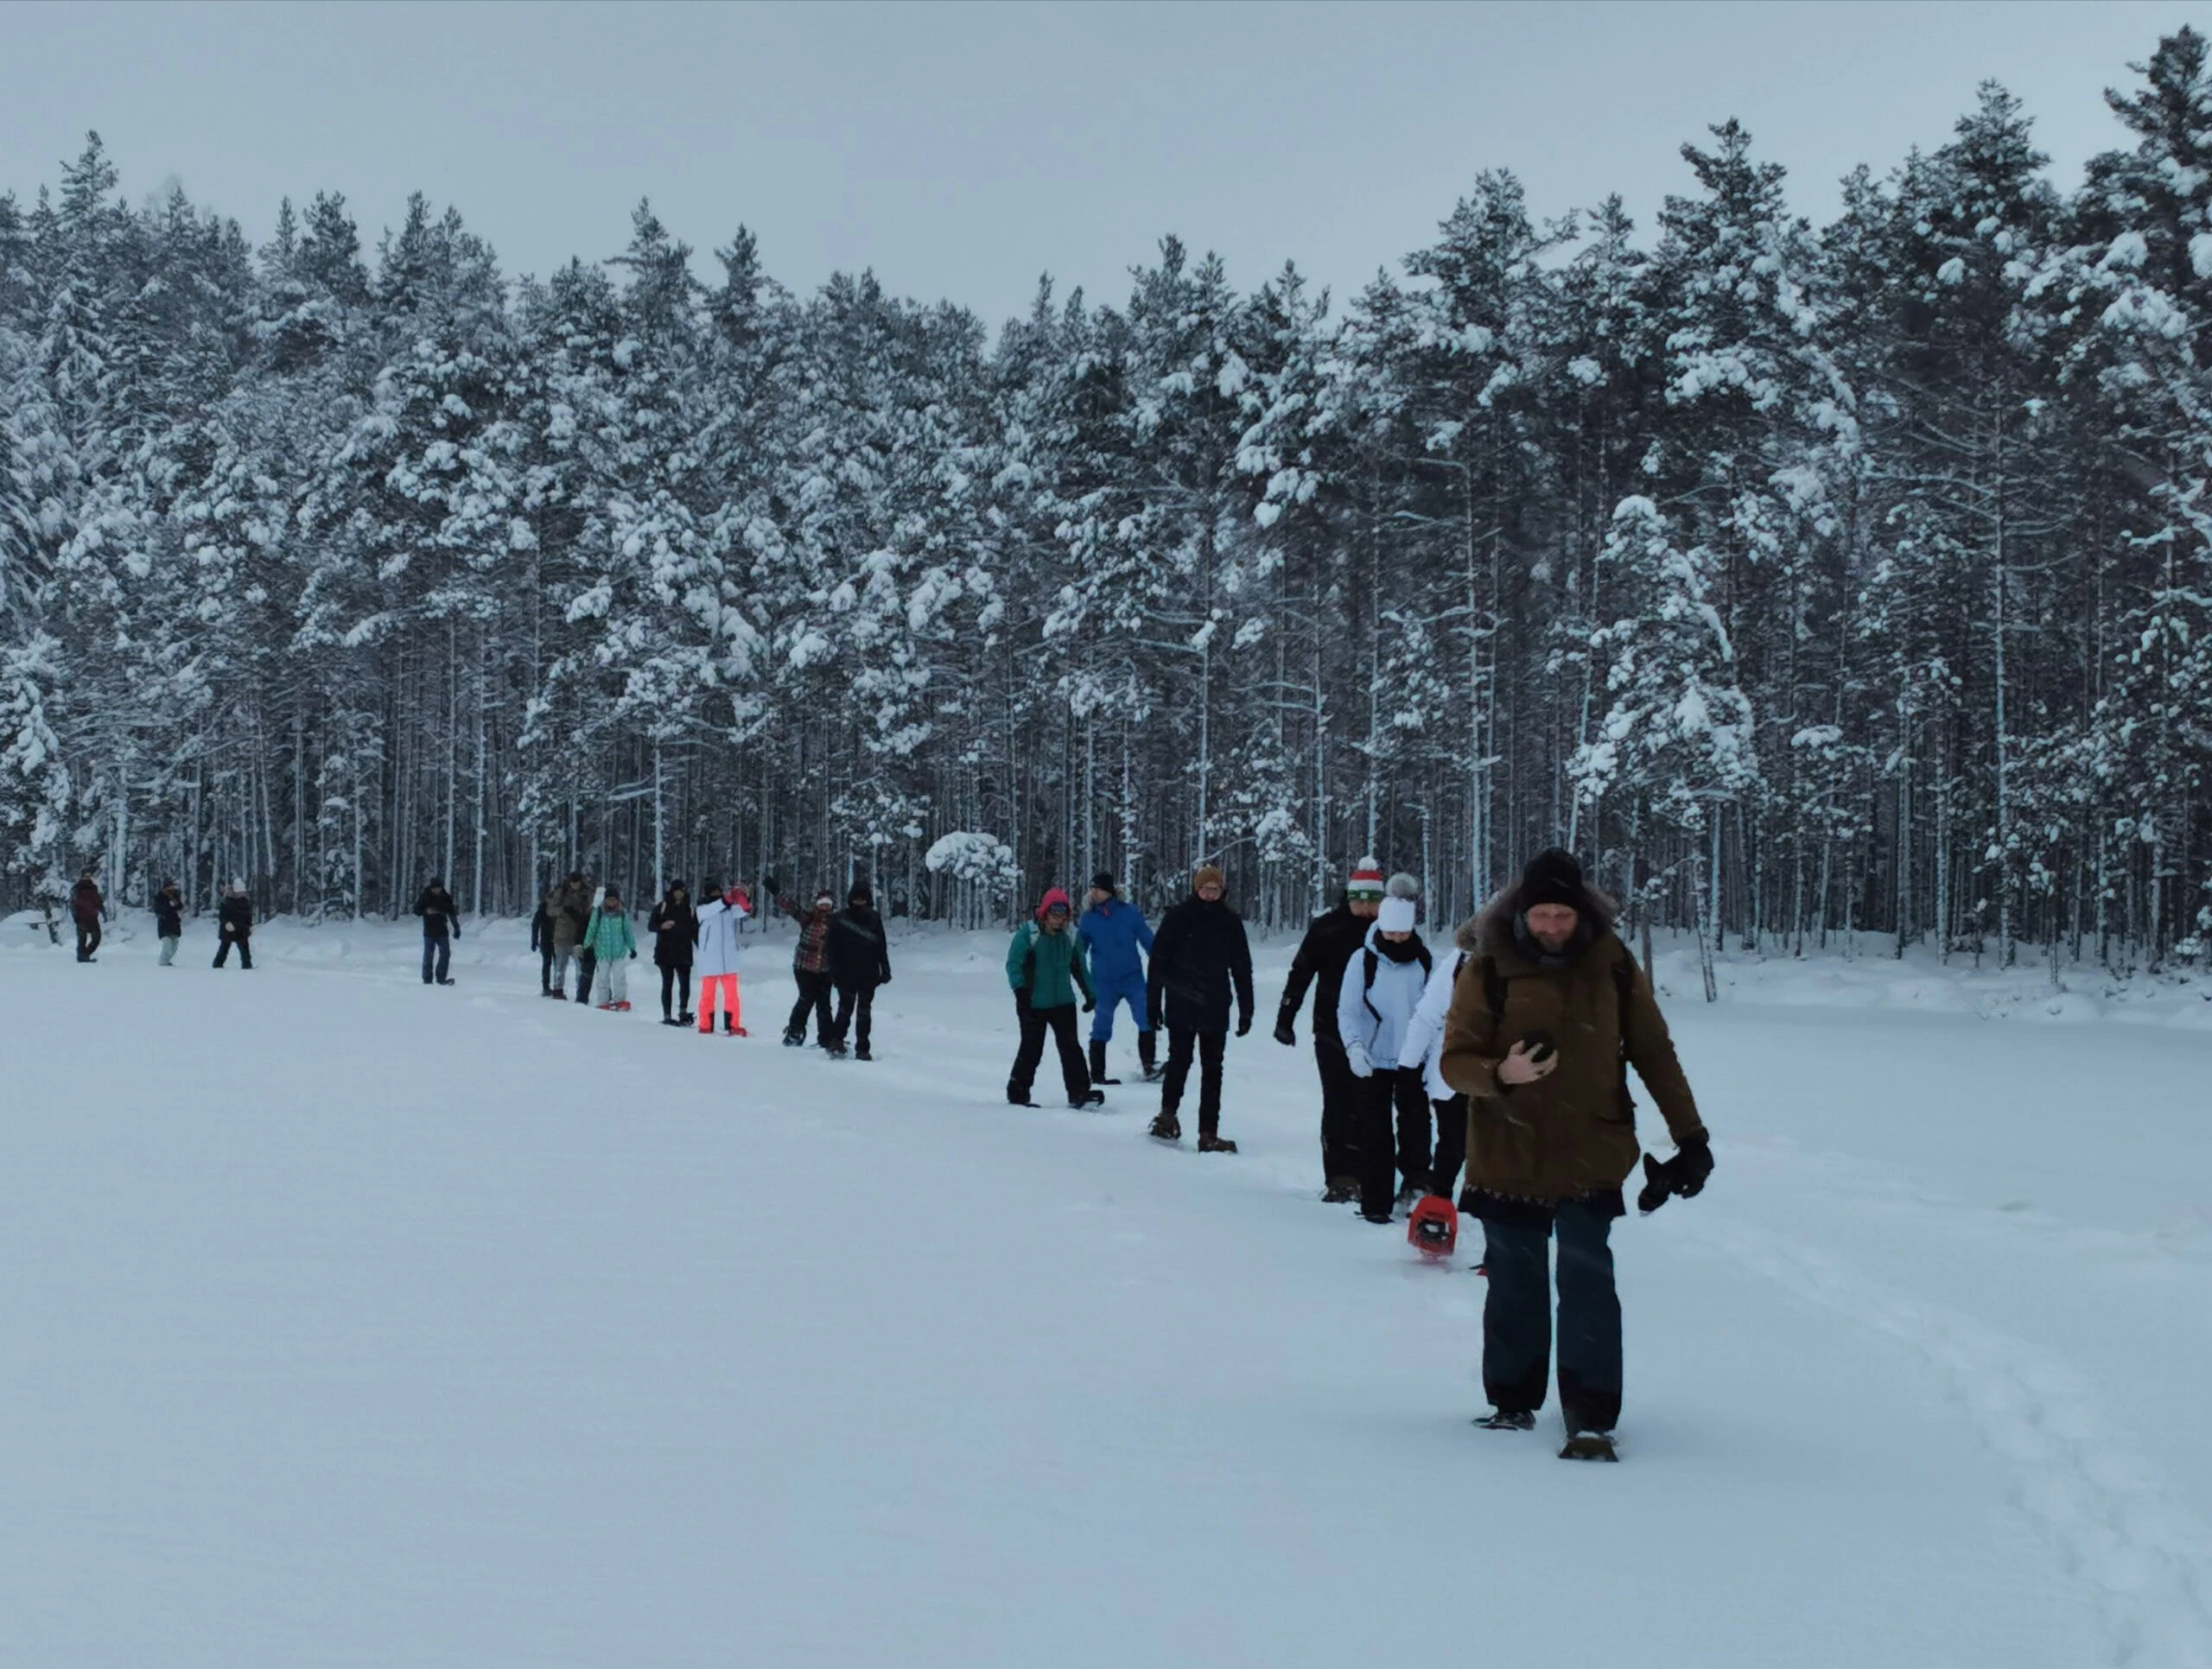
[
  {"x": 1383, "y": 984},
  {"x": 720, "y": 924},
  {"x": 1423, "y": 1052}
]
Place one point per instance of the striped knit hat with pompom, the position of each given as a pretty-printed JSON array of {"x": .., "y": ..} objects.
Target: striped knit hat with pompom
[{"x": 1366, "y": 882}]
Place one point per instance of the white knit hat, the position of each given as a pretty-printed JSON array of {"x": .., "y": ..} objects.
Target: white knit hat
[{"x": 1397, "y": 916}]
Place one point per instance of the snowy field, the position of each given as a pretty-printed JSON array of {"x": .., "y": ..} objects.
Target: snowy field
[{"x": 350, "y": 1322}]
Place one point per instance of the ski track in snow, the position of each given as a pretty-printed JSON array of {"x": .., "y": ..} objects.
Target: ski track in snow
[{"x": 2146, "y": 1558}]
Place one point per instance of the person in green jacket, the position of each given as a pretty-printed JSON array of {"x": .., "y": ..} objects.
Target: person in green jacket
[
  {"x": 1045, "y": 966},
  {"x": 614, "y": 947}
]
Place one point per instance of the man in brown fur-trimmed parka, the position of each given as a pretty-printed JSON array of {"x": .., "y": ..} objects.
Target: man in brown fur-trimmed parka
[{"x": 1546, "y": 1017}]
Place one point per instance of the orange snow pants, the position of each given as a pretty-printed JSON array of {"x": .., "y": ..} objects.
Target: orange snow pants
[{"x": 724, "y": 986}]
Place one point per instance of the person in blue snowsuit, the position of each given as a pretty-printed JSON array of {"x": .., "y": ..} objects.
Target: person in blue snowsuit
[{"x": 1114, "y": 934}]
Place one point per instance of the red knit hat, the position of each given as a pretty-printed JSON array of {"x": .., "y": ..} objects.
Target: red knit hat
[
  {"x": 1366, "y": 880},
  {"x": 1054, "y": 897}
]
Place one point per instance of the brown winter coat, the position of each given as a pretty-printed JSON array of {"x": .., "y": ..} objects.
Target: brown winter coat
[
  {"x": 567, "y": 907},
  {"x": 1573, "y": 1134}
]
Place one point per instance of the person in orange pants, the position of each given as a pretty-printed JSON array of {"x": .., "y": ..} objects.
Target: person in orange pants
[{"x": 715, "y": 963}]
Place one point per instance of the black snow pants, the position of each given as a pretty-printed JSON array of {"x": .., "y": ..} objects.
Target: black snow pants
[
  {"x": 437, "y": 956},
  {"x": 855, "y": 1009},
  {"x": 245, "y": 952},
  {"x": 1075, "y": 1071},
  {"x": 1517, "y": 1317},
  {"x": 1383, "y": 1093},
  {"x": 669, "y": 977},
  {"x": 1451, "y": 1144},
  {"x": 1340, "y": 1108},
  {"x": 813, "y": 993},
  {"x": 1182, "y": 1040},
  {"x": 88, "y": 939}
]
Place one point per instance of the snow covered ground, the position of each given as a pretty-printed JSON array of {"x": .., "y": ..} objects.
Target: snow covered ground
[{"x": 344, "y": 1321}]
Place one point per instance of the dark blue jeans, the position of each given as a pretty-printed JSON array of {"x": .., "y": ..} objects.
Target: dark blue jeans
[
  {"x": 438, "y": 949},
  {"x": 1517, "y": 1317}
]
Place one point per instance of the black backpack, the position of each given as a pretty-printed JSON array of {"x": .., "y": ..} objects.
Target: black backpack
[{"x": 1373, "y": 961}]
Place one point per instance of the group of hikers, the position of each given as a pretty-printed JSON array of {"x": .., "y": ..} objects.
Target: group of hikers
[
  {"x": 1506, "y": 1054},
  {"x": 844, "y": 954}
]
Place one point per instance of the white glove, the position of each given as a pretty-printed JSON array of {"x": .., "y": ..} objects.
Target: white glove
[{"x": 1361, "y": 1066}]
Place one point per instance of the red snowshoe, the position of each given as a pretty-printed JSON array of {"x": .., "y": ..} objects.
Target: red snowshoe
[{"x": 1434, "y": 1229}]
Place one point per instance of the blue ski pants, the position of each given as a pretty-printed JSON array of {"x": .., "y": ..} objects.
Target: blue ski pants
[{"x": 1111, "y": 993}]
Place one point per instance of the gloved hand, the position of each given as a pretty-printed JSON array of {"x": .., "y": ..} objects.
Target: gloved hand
[
  {"x": 885, "y": 979},
  {"x": 1285, "y": 1031},
  {"x": 1089, "y": 1004},
  {"x": 1361, "y": 1066},
  {"x": 1684, "y": 1174},
  {"x": 633, "y": 954},
  {"x": 1021, "y": 999},
  {"x": 1243, "y": 1025}
]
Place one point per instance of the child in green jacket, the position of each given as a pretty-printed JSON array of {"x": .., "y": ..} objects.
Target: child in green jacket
[{"x": 611, "y": 941}]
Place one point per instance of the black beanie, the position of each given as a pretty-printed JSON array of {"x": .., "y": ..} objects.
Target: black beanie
[
  {"x": 1554, "y": 877},
  {"x": 859, "y": 894},
  {"x": 1103, "y": 880}
]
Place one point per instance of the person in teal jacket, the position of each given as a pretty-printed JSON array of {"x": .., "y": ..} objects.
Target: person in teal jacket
[
  {"x": 609, "y": 940},
  {"x": 1045, "y": 966}
]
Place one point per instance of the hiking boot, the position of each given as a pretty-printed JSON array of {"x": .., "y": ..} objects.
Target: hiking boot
[
  {"x": 1509, "y": 1419},
  {"x": 1168, "y": 1128},
  {"x": 1341, "y": 1190},
  {"x": 1214, "y": 1144},
  {"x": 861, "y": 1054},
  {"x": 1098, "y": 1063}
]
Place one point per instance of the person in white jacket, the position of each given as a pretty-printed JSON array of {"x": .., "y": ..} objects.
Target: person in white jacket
[
  {"x": 1382, "y": 986},
  {"x": 720, "y": 924},
  {"x": 1423, "y": 1051}
]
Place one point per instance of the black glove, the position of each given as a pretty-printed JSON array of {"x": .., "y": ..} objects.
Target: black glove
[
  {"x": 1089, "y": 1004},
  {"x": 1021, "y": 999},
  {"x": 1243, "y": 1025},
  {"x": 633, "y": 954},
  {"x": 1285, "y": 1030},
  {"x": 1684, "y": 1174}
]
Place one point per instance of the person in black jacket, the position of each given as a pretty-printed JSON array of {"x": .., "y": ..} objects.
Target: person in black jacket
[
  {"x": 86, "y": 904},
  {"x": 675, "y": 927},
  {"x": 235, "y": 918},
  {"x": 859, "y": 961},
  {"x": 1198, "y": 954},
  {"x": 169, "y": 920},
  {"x": 1328, "y": 947},
  {"x": 541, "y": 940},
  {"x": 441, "y": 918}
]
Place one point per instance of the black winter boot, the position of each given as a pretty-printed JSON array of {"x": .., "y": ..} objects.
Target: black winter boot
[
  {"x": 1147, "y": 1053},
  {"x": 1098, "y": 1063},
  {"x": 1168, "y": 1128}
]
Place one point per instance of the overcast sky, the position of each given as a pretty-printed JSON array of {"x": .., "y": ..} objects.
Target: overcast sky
[{"x": 962, "y": 150}]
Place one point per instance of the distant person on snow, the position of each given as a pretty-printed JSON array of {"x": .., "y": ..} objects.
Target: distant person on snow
[
  {"x": 859, "y": 961},
  {"x": 85, "y": 903},
  {"x": 1545, "y": 1022},
  {"x": 541, "y": 940},
  {"x": 675, "y": 927},
  {"x": 440, "y": 926},
  {"x": 234, "y": 926},
  {"x": 1200, "y": 955},
  {"x": 719, "y": 941},
  {"x": 1422, "y": 1053},
  {"x": 613, "y": 948},
  {"x": 1382, "y": 987},
  {"x": 169, "y": 920},
  {"x": 810, "y": 965},
  {"x": 569, "y": 911},
  {"x": 1320, "y": 962},
  {"x": 1115, "y": 936},
  {"x": 1043, "y": 964}
]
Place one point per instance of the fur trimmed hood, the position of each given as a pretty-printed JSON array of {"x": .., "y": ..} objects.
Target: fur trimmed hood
[{"x": 1489, "y": 930}]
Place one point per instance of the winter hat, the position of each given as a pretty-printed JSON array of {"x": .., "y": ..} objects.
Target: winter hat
[
  {"x": 1105, "y": 881},
  {"x": 1366, "y": 882},
  {"x": 1208, "y": 875},
  {"x": 859, "y": 894},
  {"x": 677, "y": 886},
  {"x": 238, "y": 886},
  {"x": 1054, "y": 898},
  {"x": 1553, "y": 877},
  {"x": 822, "y": 894},
  {"x": 1397, "y": 915}
]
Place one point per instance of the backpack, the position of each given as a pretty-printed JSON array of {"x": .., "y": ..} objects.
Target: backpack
[{"x": 1373, "y": 960}]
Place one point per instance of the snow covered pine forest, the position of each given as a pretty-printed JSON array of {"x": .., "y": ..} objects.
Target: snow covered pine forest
[{"x": 1847, "y": 580}]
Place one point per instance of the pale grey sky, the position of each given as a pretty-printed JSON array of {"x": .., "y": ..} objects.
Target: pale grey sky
[{"x": 961, "y": 149}]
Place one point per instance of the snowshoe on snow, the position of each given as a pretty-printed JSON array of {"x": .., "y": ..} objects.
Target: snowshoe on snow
[
  {"x": 794, "y": 1040},
  {"x": 1018, "y": 1097},
  {"x": 1507, "y": 1420},
  {"x": 1168, "y": 1128},
  {"x": 1341, "y": 1190},
  {"x": 1433, "y": 1227},
  {"x": 834, "y": 1050},
  {"x": 687, "y": 1020},
  {"x": 861, "y": 1054},
  {"x": 1382, "y": 1217},
  {"x": 606, "y": 1008},
  {"x": 667, "y": 1019},
  {"x": 1098, "y": 1063},
  {"x": 1089, "y": 1099},
  {"x": 445, "y": 981},
  {"x": 619, "y": 1008},
  {"x": 557, "y": 996},
  {"x": 1216, "y": 1144},
  {"x": 1589, "y": 1446}
]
